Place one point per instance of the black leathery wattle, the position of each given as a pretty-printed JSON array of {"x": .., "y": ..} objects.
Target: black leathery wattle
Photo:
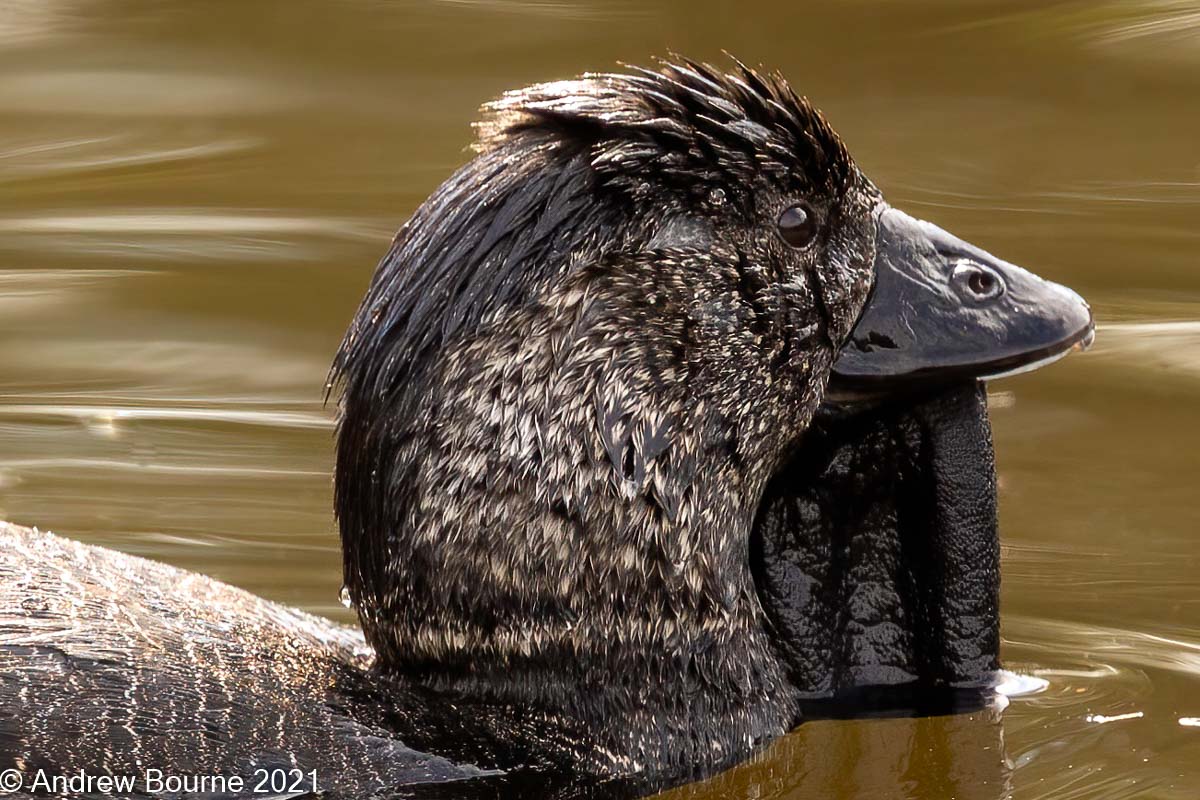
[
  {"x": 876, "y": 552},
  {"x": 966, "y": 598}
]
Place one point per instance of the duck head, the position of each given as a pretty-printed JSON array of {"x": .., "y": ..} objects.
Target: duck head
[{"x": 579, "y": 368}]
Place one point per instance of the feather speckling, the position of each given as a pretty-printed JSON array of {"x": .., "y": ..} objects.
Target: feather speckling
[{"x": 567, "y": 386}]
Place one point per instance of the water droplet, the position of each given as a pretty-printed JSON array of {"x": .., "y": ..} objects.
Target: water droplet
[
  {"x": 344, "y": 596},
  {"x": 1013, "y": 685},
  {"x": 1101, "y": 719},
  {"x": 717, "y": 197}
]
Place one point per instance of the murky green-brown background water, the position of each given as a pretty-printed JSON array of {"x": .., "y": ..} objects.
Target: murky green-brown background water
[{"x": 193, "y": 195}]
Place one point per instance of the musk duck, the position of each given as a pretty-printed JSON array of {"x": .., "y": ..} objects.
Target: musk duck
[{"x": 659, "y": 432}]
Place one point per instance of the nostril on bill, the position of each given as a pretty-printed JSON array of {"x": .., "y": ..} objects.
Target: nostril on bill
[
  {"x": 977, "y": 281},
  {"x": 874, "y": 340}
]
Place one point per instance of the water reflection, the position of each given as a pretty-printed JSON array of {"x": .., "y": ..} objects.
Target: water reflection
[
  {"x": 113, "y": 152},
  {"x": 960, "y": 756},
  {"x": 177, "y": 233},
  {"x": 1137, "y": 28},
  {"x": 1172, "y": 347}
]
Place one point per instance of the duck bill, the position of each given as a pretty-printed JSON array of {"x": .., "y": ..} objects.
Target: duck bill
[{"x": 942, "y": 311}]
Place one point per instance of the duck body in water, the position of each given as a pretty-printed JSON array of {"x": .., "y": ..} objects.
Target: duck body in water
[{"x": 604, "y": 412}]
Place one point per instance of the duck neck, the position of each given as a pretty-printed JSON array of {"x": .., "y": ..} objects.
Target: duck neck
[
  {"x": 659, "y": 653},
  {"x": 625, "y": 607},
  {"x": 556, "y": 516}
]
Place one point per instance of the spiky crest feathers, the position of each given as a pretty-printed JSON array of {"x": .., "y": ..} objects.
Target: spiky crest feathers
[{"x": 686, "y": 120}]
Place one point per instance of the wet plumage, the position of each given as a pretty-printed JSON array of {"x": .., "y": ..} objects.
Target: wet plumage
[{"x": 566, "y": 388}]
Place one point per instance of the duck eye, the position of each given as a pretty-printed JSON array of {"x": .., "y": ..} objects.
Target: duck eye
[
  {"x": 798, "y": 226},
  {"x": 980, "y": 282}
]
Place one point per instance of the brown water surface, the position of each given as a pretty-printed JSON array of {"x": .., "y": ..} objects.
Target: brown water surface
[{"x": 193, "y": 195}]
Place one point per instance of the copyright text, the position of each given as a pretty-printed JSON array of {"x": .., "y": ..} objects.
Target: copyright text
[{"x": 152, "y": 781}]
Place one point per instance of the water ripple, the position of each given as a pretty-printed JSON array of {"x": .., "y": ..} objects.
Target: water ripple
[
  {"x": 1172, "y": 346},
  {"x": 113, "y": 414},
  {"x": 192, "y": 233},
  {"x": 162, "y": 370},
  {"x": 1112, "y": 646},
  {"x": 130, "y": 92},
  {"x": 1163, "y": 21},
  {"x": 27, "y": 292},
  {"x": 80, "y": 155}
]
